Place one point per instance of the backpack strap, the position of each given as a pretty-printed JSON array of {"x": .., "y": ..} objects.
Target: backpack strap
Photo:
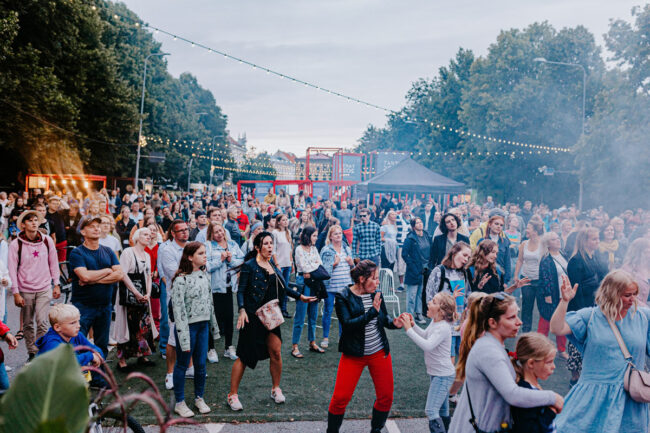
[{"x": 443, "y": 278}]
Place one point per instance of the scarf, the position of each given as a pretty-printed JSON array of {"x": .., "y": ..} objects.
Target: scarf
[{"x": 610, "y": 248}]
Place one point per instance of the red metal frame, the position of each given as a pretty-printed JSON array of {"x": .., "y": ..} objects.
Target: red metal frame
[{"x": 66, "y": 178}]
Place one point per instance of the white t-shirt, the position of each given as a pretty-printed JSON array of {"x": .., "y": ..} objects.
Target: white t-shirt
[{"x": 111, "y": 242}]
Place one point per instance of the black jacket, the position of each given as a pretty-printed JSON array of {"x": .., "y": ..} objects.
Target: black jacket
[
  {"x": 354, "y": 318},
  {"x": 531, "y": 420},
  {"x": 439, "y": 248},
  {"x": 587, "y": 272},
  {"x": 413, "y": 257},
  {"x": 253, "y": 286}
]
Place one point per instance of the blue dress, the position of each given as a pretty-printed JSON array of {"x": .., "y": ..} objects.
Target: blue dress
[{"x": 598, "y": 402}]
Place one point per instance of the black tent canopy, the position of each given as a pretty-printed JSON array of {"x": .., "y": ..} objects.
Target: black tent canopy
[{"x": 409, "y": 177}]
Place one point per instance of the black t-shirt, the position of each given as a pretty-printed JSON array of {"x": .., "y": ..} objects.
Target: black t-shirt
[
  {"x": 58, "y": 224},
  {"x": 94, "y": 260}
]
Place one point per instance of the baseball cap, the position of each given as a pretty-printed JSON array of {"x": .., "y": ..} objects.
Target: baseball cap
[{"x": 87, "y": 221}]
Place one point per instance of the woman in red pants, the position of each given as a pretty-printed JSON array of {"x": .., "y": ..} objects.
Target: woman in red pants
[{"x": 363, "y": 317}]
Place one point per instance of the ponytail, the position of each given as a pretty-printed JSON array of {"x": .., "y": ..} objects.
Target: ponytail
[{"x": 480, "y": 312}]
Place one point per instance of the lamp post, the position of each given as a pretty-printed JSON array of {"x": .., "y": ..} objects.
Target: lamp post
[
  {"x": 584, "y": 99},
  {"x": 189, "y": 171},
  {"x": 144, "y": 84}
]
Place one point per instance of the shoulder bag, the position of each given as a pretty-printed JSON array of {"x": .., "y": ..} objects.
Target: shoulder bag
[
  {"x": 635, "y": 382},
  {"x": 505, "y": 428},
  {"x": 270, "y": 314},
  {"x": 139, "y": 280}
]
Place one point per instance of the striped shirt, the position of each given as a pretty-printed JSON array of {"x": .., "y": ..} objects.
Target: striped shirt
[
  {"x": 373, "y": 338},
  {"x": 341, "y": 273}
]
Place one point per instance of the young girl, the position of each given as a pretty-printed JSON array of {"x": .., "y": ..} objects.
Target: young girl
[
  {"x": 435, "y": 341},
  {"x": 193, "y": 314},
  {"x": 534, "y": 359}
]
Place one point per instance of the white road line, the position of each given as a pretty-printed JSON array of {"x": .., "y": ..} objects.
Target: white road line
[
  {"x": 391, "y": 426},
  {"x": 213, "y": 428}
]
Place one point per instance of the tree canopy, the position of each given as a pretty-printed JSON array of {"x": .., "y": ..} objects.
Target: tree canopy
[{"x": 510, "y": 95}]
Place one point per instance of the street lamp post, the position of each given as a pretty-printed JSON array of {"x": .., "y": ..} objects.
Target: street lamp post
[
  {"x": 144, "y": 84},
  {"x": 584, "y": 99},
  {"x": 189, "y": 172}
]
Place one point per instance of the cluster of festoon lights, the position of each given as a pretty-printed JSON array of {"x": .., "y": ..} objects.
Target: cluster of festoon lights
[{"x": 531, "y": 149}]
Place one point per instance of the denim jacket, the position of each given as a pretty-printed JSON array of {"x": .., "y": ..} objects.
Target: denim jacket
[
  {"x": 328, "y": 255},
  {"x": 218, "y": 268}
]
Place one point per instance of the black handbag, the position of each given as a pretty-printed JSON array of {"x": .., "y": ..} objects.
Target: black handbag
[
  {"x": 139, "y": 280},
  {"x": 155, "y": 290},
  {"x": 320, "y": 274}
]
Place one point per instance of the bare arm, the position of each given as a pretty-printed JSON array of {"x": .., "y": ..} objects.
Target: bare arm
[
  {"x": 114, "y": 276},
  {"x": 520, "y": 260},
  {"x": 91, "y": 277},
  {"x": 558, "y": 323}
]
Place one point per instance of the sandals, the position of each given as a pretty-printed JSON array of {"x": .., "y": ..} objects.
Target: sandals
[
  {"x": 314, "y": 348},
  {"x": 19, "y": 335},
  {"x": 296, "y": 354}
]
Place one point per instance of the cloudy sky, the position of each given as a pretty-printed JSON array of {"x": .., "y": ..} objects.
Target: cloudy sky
[{"x": 370, "y": 50}]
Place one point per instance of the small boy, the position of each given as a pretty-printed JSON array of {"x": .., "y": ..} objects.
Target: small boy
[{"x": 64, "y": 319}]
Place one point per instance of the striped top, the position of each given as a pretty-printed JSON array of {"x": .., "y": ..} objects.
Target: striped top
[
  {"x": 341, "y": 273},
  {"x": 373, "y": 339}
]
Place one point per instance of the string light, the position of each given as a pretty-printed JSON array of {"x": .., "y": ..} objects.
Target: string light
[{"x": 346, "y": 97}]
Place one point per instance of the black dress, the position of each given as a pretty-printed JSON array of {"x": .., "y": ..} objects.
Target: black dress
[{"x": 251, "y": 346}]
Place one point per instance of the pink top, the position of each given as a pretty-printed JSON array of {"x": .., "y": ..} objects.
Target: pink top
[{"x": 38, "y": 268}]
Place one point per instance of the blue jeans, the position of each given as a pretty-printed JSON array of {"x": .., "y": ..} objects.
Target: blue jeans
[
  {"x": 98, "y": 318},
  {"x": 164, "y": 320},
  {"x": 413, "y": 298},
  {"x": 4, "y": 378},
  {"x": 328, "y": 308},
  {"x": 299, "y": 318},
  {"x": 375, "y": 259},
  {"x": 198, "y": 352},
  {"x": 286, "y": 274},
  {"x": 438, "y": 396}
]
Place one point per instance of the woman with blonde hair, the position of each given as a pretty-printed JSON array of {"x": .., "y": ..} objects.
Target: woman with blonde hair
[
  {"x": 637, "y": 263},
  {"x": 598, "y": 402},
  {"x": 435, "y": 341}
]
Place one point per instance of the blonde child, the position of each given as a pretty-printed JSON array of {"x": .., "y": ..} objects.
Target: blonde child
[
  {"x": 435, "y": 341},
  {"x": 534, "y": 359}
]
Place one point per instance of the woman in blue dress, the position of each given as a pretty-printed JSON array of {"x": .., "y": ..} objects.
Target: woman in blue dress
[{"x": 598, "y": 402}]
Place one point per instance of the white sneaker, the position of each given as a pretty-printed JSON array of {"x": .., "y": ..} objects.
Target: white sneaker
[
  {"x": 234, "y": 403},
  {"x": 325, "y": 344},
  {"x": 182, "y": 410},
  {"x": 230, "y": 353},
  {"x": 189, "y": 373},
  {"x": 8, "y": 368},
  {"x": 169, "y": 381},
  {"x": 201, "y": 406},
  {"x": 212, "y": 356},
  {"x": 277, "y": 396}
]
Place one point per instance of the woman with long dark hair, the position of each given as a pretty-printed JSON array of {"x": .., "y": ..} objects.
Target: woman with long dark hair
[
  {"x": 485, "y": 274},
  {"x": 307, "y": 261},
  {"x": 362, "y": 313},
  {"x": 194, "y": 319},
  {"x": 415, "y": 254},
  {"x": 530, "y": 254},
  {"x": 259, "y": 283}
]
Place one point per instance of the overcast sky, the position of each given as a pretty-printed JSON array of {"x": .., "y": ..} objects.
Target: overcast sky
[{"x": 371, "y": 50}]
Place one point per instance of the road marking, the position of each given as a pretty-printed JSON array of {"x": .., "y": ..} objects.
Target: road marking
[
  {"x": 391, "y": 426},
  {"x": 213, "y": 428}
]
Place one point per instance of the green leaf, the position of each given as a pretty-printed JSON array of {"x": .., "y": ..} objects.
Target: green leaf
[{"x": 48, "y": 395}]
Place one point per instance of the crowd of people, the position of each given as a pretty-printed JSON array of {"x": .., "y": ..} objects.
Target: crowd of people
[{"x": 162, "y": 272}]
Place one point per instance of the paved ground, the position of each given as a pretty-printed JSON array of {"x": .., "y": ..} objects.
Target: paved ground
[{"x": 416, "y": 425}]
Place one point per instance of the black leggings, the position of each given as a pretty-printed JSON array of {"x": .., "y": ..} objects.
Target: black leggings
[{"x": 224, "y": 313}]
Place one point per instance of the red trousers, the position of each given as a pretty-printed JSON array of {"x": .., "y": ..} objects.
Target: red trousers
[
  {"x": 543, "y": 327},
  {"x": 350, "y": 368}
]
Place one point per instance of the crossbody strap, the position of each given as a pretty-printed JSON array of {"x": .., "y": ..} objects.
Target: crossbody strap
[
  {"x": 620, "y": 341},
  {"x": 472, "y": 420}
]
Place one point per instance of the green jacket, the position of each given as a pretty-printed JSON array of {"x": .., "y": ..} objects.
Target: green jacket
[{"x": 192, "y": 303}]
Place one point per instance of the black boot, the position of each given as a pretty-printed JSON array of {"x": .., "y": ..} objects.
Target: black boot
[
  {"x": 446, "y": 420},
  {"x": 436, "y": 426},
  {"x": 334, "y": 422},
  {"x": 378, "y": 420}
]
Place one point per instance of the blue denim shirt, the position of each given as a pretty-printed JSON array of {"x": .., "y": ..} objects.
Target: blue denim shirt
[{"x": 218, "y": 268}]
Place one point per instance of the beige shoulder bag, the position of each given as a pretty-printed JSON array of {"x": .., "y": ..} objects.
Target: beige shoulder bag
[{"x": 636, "y": 382}]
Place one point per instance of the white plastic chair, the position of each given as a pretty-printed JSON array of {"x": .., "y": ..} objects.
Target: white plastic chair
[{"x": 387, "y": 288}]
